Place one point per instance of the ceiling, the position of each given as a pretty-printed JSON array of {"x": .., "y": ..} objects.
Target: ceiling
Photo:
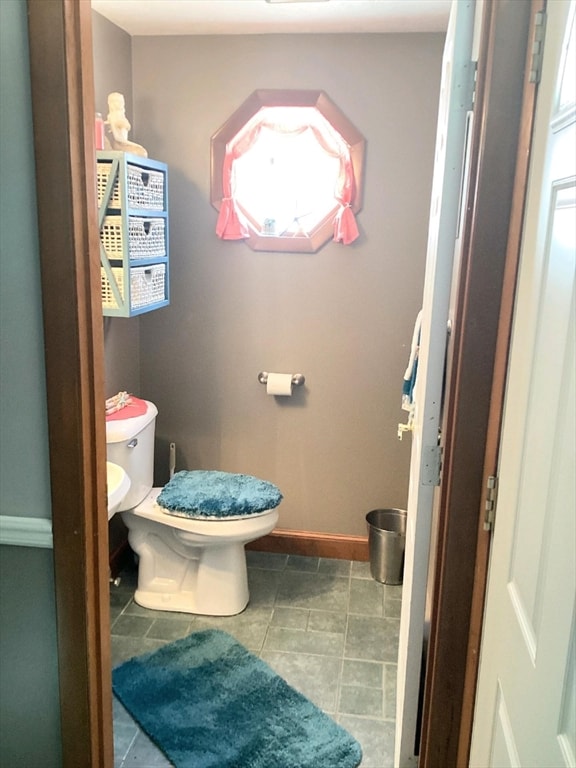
[{"x": 242, "y": 17}]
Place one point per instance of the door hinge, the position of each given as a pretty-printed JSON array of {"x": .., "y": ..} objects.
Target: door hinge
[
  {"x": 538, "y": 46},
  {"x": 490, "y": 503}
]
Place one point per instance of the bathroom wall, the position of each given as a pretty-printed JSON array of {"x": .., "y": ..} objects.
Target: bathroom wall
[
  {"x": 112, "y": 49},
  {"x": 343, "y": 316},
  {"x": 113, "y": 72},
  {"x": 29, "y": 697}
]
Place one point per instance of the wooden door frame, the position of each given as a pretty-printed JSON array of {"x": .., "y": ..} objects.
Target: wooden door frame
[
  {"x": 484, "y": 538},
  {"x": 62, "y": 89},
  {"x": 63, "y": 105},
  {"x": 478, "y": 357}
]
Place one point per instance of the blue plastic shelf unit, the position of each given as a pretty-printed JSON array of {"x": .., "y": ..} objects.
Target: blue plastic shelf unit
[{"x": 133, "y": 222}]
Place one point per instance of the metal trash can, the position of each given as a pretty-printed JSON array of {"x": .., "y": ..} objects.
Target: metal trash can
[{"x": 386, "y": 542}]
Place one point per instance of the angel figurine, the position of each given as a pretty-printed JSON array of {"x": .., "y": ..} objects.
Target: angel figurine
[{"x": 119, "y": 125}]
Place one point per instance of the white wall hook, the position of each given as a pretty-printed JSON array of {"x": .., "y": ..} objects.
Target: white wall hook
[{"x": 404, "y": 428}]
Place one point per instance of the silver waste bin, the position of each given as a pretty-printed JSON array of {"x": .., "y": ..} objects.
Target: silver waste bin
[{"x": 386, "y": 542}]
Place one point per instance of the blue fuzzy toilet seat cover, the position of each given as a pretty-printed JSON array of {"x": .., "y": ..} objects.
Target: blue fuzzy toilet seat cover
[{"x": 208, "y": 494}]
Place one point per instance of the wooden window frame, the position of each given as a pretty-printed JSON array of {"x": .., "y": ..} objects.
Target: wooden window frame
[{"x": 324, "y": 231}]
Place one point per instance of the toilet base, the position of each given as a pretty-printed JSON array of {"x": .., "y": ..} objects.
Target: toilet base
[
  {"x": 184, "y": 568},
  {"x": 215, "y": 583}
]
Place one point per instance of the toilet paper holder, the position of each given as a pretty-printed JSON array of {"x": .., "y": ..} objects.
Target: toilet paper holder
[{"x": 297, "y": 378}]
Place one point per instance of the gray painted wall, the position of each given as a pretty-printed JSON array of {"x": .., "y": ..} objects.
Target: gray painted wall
[
  {"x": 29, "y": 698},
  {"x": 343, "y": 317},
  {"x": 29, "y": 695},
  {"x": 113, "y": 72},
  {"x": 24, "y": 471}
]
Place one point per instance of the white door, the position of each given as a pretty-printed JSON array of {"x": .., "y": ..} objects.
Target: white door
[
  {"x": 454, "y": 116},
  {"x": 526, "y": 699}
]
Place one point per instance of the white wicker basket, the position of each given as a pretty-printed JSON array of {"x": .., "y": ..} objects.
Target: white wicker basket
[
  {"x": 108, "y": 300},
  {"x": 147, "y": 286},
  {"x": 145, "y": 187},
  {"x": 102, "y": 174},
  {"x": 146, "y": 237}
]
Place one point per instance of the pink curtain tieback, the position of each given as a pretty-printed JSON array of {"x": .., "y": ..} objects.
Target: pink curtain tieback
[{"x": 345, "y": 227}]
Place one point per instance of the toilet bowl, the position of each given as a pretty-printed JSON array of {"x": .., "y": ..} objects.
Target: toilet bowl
[
  {"x": 189, "y": 565},
  {"x": 185, "y": 563}
]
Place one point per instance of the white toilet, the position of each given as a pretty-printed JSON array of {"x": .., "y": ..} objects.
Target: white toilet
[{"x": 185, "y": 564}]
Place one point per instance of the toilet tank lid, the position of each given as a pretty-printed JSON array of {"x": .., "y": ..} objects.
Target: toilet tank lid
[{"x": 119, "y": 430}]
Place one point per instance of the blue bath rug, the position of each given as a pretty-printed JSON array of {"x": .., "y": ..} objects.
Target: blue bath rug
[{"x": 207, "y": 702}]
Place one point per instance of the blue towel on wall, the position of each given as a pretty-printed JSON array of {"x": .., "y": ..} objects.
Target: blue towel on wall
[{"x": 409, "y": 382}]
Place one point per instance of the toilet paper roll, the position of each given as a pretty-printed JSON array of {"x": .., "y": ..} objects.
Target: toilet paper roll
[{"x": 279, "y": 384}]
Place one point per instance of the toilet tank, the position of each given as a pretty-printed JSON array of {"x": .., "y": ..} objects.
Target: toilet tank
[{"x": 130, "y": 444}]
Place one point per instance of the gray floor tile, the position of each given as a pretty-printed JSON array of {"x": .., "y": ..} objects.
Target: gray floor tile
[
  {"x": 115, "y": 611},
  {"x": 357, "y": 700},
  {"x": 299, "y": 641},
  {"x": 335, "y": 567},
  {"x": 131, "y": 626},
  {"x": 327, "y": 621},
  {"x": 314, "y": 676},
  {"x": 301, "y": 563},
  {"x": 124, "y": 736},
  {"x": 145, "y": 754},
  {"x": 295, "y": 618},
  {"x": 250, "y": 633},
  {"x": 120, "y": 597},
  {"x": 366, "y": 597},
  {"x": 253, "y": 613},
  {"x": 318, "y": 590},
  {"x": 370, "y": 674},
  {"x": 133, "y": 609},
  {"x": 393, "y": 592},
  {"x": 390, "y": 675},
  {"x": 376, "y": 738},
  {"x": 124, "y": 648},
  {"x": 360, "y": 570},
  {"x": 263, "y": 586},
  {"x": 392, "y": 607},
  {"x": 125, "y": 731},
  {"x": 268, "y": 560},
  {"x": 169, "y": 629},
  {"x": 371, "y": 638}
]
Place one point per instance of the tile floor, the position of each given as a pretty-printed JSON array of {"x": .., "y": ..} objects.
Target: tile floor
[{"x": 324, "y": 625}]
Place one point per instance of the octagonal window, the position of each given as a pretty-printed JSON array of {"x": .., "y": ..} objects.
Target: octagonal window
[{"x": 287, "y": 172}]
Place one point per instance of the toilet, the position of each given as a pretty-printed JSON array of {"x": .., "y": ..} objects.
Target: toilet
[{"x": 190, "y": 560}]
